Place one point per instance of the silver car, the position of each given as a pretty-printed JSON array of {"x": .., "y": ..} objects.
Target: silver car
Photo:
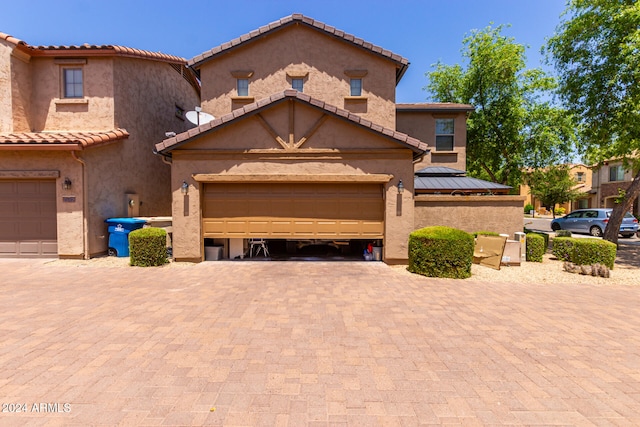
[{"x": 594, "y": 221}]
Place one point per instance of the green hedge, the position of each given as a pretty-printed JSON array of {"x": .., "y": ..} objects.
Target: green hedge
[
  {"x": 536, "y": 247},
  {"x": 562, "y": 248},
  {"x": 592, "y": 251},
  {"x": 584, "y": 251},
  {"x": 441, "y": 252},
  {"x": 148, "y": 247},
  {"x": 563, "y": 233}
]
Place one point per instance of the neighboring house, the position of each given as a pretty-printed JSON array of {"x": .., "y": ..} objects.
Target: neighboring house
[
  {"x": 582, "y": 174},
  {"x": 307, "y": 143},
  {"x": 609, "y": 178},
  {"x": 77, "y": 128}
]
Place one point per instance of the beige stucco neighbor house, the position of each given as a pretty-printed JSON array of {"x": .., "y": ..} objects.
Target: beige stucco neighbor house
[
  {"x": 77, "y": 128},
  {"x": 308, "y": 144},
  {"x": 583, "y": 176},
  {"x": 609, "y": 178}
]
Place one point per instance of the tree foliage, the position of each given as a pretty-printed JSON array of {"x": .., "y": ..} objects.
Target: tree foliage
[
  {"x": 553, "y": 185},
  {"x": 596, "y": 50},
  {"x": 514, "y": 125}
]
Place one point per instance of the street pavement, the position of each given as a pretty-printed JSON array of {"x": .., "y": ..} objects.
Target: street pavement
[{"x": 310, "y": 344}]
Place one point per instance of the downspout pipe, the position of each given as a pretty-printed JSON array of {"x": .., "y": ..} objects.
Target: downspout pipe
[{"x": 85, "y": 204}]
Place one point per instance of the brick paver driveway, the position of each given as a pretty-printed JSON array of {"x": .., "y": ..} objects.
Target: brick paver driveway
[{"x": 291, "y": 343}]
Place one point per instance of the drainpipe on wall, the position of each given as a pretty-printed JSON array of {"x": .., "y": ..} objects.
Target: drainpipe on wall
[{"x": 85, "y": 205}]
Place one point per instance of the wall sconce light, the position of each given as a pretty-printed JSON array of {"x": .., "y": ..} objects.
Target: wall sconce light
[
  {"x": 66, "y": 184},
  {"x": 400, "y": 187},
  {"x": 185, "y": 187}
]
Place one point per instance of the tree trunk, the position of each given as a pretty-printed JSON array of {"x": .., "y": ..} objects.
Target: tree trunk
[{"x": 613, "y": 227}]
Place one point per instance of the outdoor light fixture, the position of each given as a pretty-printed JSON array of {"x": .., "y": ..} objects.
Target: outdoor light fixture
[
  {"x": 66, "y": 184},
  {"x": 185, "y": 187},
  {"x": 400, "y": 187}
]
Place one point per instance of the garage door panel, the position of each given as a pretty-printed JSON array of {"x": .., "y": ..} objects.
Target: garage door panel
[{"x": 293, "y": 210}]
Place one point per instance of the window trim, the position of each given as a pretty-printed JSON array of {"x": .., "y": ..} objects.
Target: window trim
[{"x": 452, "y": 135}]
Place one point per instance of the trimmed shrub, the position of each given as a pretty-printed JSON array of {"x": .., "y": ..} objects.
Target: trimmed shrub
[
  {"x": 559, "y": 211},
  {"x": 593, "y": 251},
  {"x": 535, "y": 247},
  {"x": 441, "y": 252},
  {"x": 528, "y": 208},
  {"x": 148, "y": 247},
  {"x": 562, "y": 248},
  {"x": 563, "y": 233}
]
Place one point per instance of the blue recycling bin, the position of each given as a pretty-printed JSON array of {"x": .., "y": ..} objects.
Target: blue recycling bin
[{"x": 119, "y": 229}]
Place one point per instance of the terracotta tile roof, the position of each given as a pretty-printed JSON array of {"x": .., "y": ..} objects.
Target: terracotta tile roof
[
  {"x": 434, "y": 106},
  {"x": 401, "y": 63},
  {"x": 168, "y": 144},
  {"x": 71, "y": 140},
  {"x": 92, "y": 50}
]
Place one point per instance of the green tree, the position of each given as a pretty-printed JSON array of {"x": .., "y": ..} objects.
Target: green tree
[
  {"x": 596, "y": 50},
  {"x": 553, "y": 185},
  {"x": 515, "y": 125}
]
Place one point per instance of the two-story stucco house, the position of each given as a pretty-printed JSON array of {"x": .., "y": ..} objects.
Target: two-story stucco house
[
  {"x": 609, "y": 179},
  {"x": 307, "y": 143},
  {"x": 78, "y": 126}
]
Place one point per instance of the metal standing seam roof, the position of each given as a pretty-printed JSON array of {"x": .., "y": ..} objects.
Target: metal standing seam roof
[
  {"x": 402, "y": 63},
  {"x": 72, "y": 140},
  {"x": 452, "y": 183},
  {"x": 171, "y": 143},
  {"x": 442, "y": 178}
]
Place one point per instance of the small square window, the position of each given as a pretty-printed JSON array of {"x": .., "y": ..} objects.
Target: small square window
[
  {"x": 243, "y": 87},
  {"x": 616, "y": 173},
  {"x": 297, "y": 84},
  {"x": 356, "y": 87},
  {"x": 72, "y": 79},
  {"x": 444, "y": 134}
]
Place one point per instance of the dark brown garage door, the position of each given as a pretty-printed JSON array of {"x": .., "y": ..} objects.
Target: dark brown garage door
[
  {"x": 278, "y": 210},
  {"x": 28, "y": 218}
]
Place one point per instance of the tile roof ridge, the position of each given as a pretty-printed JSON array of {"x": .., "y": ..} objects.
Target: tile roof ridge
[
  {"x": 290, "y": 94},
  {"x": 287, "y": 20}
]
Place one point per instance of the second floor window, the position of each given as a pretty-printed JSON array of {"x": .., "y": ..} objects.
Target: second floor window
[
  {"x": 444, "y": 134},
  {"x": 73, "y": 83},
  {"x": 356, "y": 87},
  {"x": 616, "y": 173},
  {"x": 580, "y": 177},
  {"x": 297, "y": 84},
  {"x": 243, "y": 87}
]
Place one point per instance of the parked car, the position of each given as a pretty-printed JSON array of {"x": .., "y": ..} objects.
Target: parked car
[{"x": 594, "y": 221}]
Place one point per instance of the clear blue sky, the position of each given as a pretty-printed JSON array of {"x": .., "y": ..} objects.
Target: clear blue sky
[{"x": 422, "y": 31}]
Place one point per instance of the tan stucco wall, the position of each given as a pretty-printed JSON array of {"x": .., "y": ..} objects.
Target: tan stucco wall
[
  {"x": 18, "y": 165},
  {"x": 502, "y": 214},
  {"x": 298, "y": 48},
  {"x": 146, "y": 94},
  {"x": 6, "y": 122},
  {"x": 422, "y": 125},
  {"x": 370, "y": 154}
]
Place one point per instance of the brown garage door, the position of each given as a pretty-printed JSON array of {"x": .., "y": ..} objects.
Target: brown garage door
[
  {"x": 28, "y": 218},
  {"x": 279, "y": 210}
]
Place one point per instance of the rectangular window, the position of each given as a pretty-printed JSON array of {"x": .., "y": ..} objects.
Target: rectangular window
[
  {"x": 580, "y": 177},
  {"x": 356, "y": 87},
  {"x": 444, "y": 134},
  {"x": 297, "y": 84},
  {"x": 616, "y": 173},
  {"x": 583, "y": 203},
  {"x": 72, "y": 82},
  {"x": 243, "y": 87}
]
